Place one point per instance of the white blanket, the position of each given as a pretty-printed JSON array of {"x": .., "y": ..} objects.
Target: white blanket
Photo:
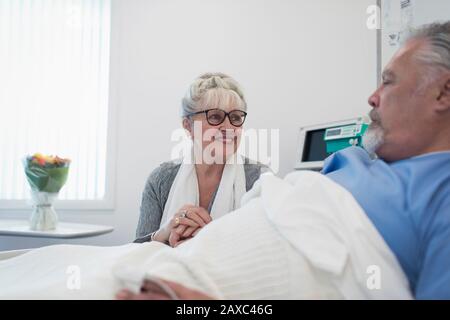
[{"x": 301, "y": 237}]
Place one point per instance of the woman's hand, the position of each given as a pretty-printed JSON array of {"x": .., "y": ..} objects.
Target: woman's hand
[
  {"x": 183, "y": 225},
  {"x": 184, "y": 232},
  {"x": 176, "y": 236},
  {"x": 179, "y": 219}
]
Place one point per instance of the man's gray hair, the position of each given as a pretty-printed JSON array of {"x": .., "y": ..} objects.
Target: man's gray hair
[
  {"x": 437, "y": 54},
  {"x": 225, "y": 88}
]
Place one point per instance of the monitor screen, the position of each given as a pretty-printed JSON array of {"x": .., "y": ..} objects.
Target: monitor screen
[{"x": 315, "y": 148}]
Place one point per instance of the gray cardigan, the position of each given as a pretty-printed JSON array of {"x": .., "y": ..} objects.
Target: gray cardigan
[{"x": 157, "y": 189}]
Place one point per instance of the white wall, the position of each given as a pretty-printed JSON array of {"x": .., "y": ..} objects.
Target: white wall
[{"x": 300, "y": 62}]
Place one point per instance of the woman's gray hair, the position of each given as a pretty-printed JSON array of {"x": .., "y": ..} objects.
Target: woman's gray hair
[
  {"x": 211, "y": 88},
  {"x": 437, "y": 54}
]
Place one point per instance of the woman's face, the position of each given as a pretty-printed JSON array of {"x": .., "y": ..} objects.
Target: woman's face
[{"x": 216, "y": 142}]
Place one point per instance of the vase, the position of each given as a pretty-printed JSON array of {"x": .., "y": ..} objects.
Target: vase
[{"x": 43, "y": 217}]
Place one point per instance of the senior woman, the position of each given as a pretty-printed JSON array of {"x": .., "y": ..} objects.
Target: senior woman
[{"x": 182, "y": 196}]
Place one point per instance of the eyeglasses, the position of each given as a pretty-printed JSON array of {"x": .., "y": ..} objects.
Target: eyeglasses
[{"x": 217, "y": 116}]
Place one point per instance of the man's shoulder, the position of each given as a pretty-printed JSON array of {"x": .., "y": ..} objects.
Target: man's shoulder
[{"x": 347, "y": 157}]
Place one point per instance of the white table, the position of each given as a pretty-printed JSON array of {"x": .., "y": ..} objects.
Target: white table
[{"x": 64, "y": 230}]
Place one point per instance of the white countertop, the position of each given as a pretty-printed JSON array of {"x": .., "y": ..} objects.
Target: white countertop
[{"x": 64, "y": 230}]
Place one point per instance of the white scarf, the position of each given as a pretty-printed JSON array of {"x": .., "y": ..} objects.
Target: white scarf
[{"x": 184, "y": 189}]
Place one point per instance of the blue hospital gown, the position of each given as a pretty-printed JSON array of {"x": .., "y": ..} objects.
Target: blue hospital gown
[{"x": 408, "y": 201}]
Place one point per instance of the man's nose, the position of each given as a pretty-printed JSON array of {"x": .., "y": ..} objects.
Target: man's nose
[{"x": 374, "y": 100}]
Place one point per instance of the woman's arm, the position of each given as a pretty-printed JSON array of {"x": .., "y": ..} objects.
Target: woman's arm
[
  {"x": 253, "y": 171},
  {"x": 151, "y": 209}
]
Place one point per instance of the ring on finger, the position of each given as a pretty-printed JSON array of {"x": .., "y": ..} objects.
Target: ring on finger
[
  {"x": 183, "y": 214},
  {"x": 177, "y": 221}
]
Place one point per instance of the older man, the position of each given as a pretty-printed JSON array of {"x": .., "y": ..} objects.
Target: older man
[{"x": 406, "y": 191}]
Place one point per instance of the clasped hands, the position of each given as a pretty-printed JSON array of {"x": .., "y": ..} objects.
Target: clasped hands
[{"x": 184, "y": 225}]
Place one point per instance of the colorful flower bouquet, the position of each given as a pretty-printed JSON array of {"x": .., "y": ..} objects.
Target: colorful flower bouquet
[{"x": 46, "y": 176}]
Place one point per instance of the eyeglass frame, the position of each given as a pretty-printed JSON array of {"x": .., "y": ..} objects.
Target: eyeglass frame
[{"x": 227, "y": 114}]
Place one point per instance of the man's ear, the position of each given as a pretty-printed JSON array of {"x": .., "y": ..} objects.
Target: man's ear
[
  {"x": 187, "y": 125},
  {"x": 444, "y": 96}
]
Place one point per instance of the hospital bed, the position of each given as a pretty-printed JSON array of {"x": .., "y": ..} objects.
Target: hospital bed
[
  {"x": 314, "y": 144},
  {"x": 12, "y": 253}
]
